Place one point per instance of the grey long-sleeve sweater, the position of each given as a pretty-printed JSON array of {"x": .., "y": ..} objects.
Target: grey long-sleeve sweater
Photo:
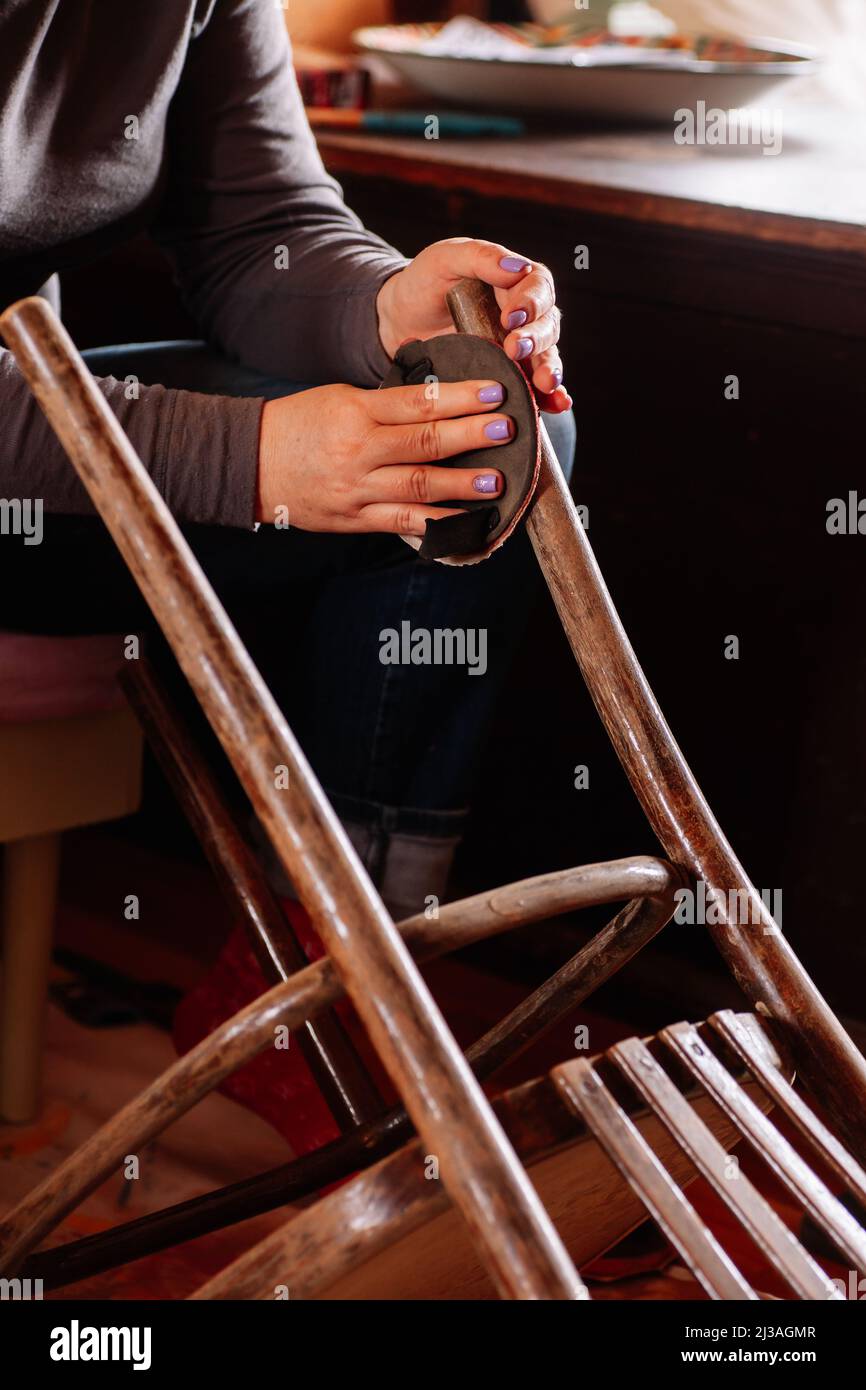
[{"x": 183, "y": 117}]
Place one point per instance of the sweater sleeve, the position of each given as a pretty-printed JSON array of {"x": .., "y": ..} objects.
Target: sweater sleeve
[
  {"x": 201, "y": 451},
  {"x": 270, "y": 261}
]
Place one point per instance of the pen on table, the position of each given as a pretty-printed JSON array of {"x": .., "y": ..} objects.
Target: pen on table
[{"x": 414, "y": 122}]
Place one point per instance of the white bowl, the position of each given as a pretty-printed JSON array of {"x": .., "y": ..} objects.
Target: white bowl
[{"x": 643, "y": 86}]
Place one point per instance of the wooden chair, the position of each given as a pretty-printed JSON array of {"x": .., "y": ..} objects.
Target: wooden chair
[
  {"x": 70, "y": 750},
  {"x": 511, "y": 1233}
]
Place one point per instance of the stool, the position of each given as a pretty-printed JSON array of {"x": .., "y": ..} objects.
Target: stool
[{"x": 70, "y": 753}]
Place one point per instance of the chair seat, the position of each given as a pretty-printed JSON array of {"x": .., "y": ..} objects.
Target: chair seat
[{"x": 58, "y": 677}]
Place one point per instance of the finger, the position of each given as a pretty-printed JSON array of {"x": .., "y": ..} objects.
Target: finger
[
  {"x": 530, "y": 299},
  {"x": 556, "y": 402},
  {"x": 529, "y": 342},
  {"x": 545, "y": 370},
  {"x": 429, "y": 440},
  {"x": 423, "y": 484},
  {"x": 433, "y": 400},
  {"x": 400, "y": 519},
  {"x": 461, "y": 258}
]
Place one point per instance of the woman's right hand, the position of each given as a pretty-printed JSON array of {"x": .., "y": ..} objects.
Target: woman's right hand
[{"x": 337, "y": 458}]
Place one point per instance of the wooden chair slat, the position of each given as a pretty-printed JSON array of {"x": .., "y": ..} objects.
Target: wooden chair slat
[
  {"x": 753, "y": 1212},
  {"x": 737, "y": 1032},
  {"x": 660, "y": 1194},
  {"x": 791, "y": 1170}
]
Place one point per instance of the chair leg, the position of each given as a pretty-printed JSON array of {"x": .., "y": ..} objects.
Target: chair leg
[{"x": 29, "y": 900}]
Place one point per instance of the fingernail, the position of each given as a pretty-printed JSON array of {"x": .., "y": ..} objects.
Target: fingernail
[
  {"x": 485, "y": 482},
  {"x": 492, "y": 395},
  {"x": 516, "y": 319},
  {"x": 498, "y": 429},
  {"x": 514, "y": 263},
  {"x": 556, "y": 373},
  {"x": 525, "y": 347}
]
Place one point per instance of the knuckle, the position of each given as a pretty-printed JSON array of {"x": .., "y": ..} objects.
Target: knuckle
[
  {"x": 343, "y": 500},
  {"x": 425, "y": 401},
  {"x": 426, "y": 441},
  {"x": 418, "y": 485},
  {"x": 403, "y": 520}
]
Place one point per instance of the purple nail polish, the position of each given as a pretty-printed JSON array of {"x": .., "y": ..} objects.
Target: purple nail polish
[
  {"x": 514, "y": 263},
  {"x": 556, "y": 373},
  {"x": 491, "y": 395},
  {"x": 516, "y": 319},
  {"x": 485, "y": 482},
  {"x": 525, "y": 348},
  {"x": 498, "y": 429}
]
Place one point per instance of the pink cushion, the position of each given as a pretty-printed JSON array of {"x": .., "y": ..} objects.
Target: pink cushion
[{"x": 58, "y": 677}]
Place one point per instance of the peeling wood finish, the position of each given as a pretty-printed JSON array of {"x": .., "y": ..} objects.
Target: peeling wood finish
[
  {"x": 793, "y": 1172},
  {"x": 735, "y": 1031},
  {"x": 664, "y": 1072},
  {"x": 750, "y": 1208},
  {"x": 659, "y": 1192}
]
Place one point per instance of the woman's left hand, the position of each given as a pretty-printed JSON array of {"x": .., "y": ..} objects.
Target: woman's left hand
[{"x": 411, "y": 304}]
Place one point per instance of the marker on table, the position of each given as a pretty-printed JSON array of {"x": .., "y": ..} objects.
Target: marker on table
[{"x": 415, "y": 122}]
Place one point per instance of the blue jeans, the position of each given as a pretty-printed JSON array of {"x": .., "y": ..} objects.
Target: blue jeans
[{"x": 394, "y": 745}]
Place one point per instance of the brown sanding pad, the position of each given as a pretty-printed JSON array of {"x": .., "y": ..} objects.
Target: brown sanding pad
[{"x": 485, "y": 524}]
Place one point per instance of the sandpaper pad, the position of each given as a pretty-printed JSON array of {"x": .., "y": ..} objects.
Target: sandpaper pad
[{"x": 487, "y": 523}]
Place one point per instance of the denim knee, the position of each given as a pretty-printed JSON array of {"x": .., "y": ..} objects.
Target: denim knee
[{"x": 563, "y": 436}]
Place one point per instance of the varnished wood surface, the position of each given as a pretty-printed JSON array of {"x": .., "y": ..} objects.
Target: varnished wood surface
[{"x": 812, "y": 195}]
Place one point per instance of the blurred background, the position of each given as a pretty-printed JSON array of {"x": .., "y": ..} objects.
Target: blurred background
[{"x": 837, "y": 28}]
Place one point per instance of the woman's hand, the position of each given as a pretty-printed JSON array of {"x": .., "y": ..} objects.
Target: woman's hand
[
  {"x": 411, "y": 304},
  {"x": 341, "y": 459}
]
